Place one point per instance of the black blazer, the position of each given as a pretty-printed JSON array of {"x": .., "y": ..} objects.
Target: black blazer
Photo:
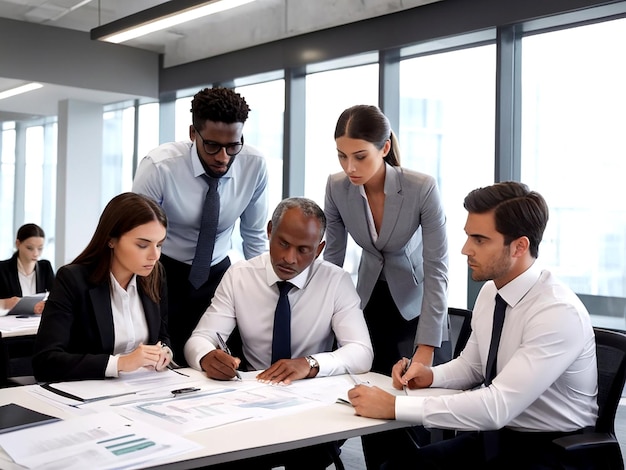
[
  {"x": 10, "y": 282},
  {"x": 76, "y": 337}
]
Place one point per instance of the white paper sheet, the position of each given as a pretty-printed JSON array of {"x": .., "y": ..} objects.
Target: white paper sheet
[{"x": 104, "y": 441}]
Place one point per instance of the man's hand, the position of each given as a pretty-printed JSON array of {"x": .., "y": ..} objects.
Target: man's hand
[
  {"x": 415, "y": 375},
  {"x": 285, "y": 371},
  {"x": 372, "y": 402},
  {"x": 219, "y": 365}
]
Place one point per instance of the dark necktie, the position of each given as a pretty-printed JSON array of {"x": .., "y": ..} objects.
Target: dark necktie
[
  {"x": 281, "y": 341},
  {"x": 491, "y": 439},
  {"x": 201, "y": 265},
  {"x": 496, "y": 332}
]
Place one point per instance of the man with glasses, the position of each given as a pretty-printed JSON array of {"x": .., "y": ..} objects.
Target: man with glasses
[{"x": 205, "y": 185}]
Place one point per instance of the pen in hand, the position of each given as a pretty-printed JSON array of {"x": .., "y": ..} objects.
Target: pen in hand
[
  {"x": 406, "y": 368},
  {"x": 224, "y": 347}
]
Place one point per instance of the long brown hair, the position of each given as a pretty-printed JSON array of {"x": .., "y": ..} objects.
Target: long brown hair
[
  {"x": 368, "y": 123},
  {"x": 121, "y": 215}
]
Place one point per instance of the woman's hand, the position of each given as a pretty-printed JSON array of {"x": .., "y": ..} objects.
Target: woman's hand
[
  {"x": 144, "y": 356},
  {"x": 38, "y": 308},
  {"x": 165, "y": 357},
  {"x": 10, "y": 302}
]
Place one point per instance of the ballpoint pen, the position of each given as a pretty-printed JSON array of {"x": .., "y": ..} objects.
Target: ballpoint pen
[
  {"x": 408, "y": 364},
  {"x": 224, "y": 347}
]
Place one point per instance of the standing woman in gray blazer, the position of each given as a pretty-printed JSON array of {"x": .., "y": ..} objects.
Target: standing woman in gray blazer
[{"x": 395, "y": 215}]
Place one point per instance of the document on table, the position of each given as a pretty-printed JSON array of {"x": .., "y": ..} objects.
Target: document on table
[
  {"x": 143, "y": 380},
  {"x": 106, "y": 441},
  {"x": 211, "y": 407}
]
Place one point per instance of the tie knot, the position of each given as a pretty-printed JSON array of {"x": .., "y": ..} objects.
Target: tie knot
[
  {"x": 284, "y": 287},
  {"x": 212, "y": 182},
  {"x": 500, "y": 302}
]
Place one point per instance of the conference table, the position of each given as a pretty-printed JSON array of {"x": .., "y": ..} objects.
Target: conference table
[
  {"x": 243, "y": 439},
  {"x": 17, "y": 337}
]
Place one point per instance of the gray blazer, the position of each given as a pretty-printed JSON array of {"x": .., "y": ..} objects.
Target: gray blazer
[{"x": 411, "y": 251}]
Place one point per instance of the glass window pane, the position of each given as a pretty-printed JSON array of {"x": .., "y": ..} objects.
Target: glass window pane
[
  {"x": 182, "y": 113},
  {"x": 33, "y": 183},
  {"x": 148, "y": 129},
  {"x": 327, "y": 95},
  {"x": 118, "y": 148},
  {"x": 573, "y": 145},
  {"x": 7, "y": 189},
  {"x": 264, "y": 129},
  {"x": 447, "y": 106}
]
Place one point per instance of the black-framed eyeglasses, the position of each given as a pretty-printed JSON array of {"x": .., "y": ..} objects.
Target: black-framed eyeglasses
[{"x": 213, "y": 148}]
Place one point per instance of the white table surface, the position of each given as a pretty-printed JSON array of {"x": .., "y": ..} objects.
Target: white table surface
[{"x": 246, "y": 438}]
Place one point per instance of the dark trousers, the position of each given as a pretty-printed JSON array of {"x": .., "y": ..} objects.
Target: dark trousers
[
  {"x": 516, "y": 450},
  {"x": 392, "y": 338},
  {"x": 187, "y": 304}
]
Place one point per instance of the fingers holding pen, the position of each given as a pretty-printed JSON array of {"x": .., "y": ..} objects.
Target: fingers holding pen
[
  {"x": 220, "y": 365},
  {"x": 165, "y": 356},
  {"x": 144, "y": 355}
]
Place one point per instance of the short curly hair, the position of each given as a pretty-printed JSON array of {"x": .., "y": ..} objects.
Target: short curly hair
[{"x": 218, "y": 104}]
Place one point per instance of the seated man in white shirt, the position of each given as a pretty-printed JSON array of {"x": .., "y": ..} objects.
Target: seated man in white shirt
[
  {"x": 543, "y": 384},
  {"x": 325, "y": 308}
]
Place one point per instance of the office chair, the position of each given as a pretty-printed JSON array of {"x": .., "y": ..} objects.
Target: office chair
[
  {"x": 601, "y": 446},
  {"x": 460, "y": 328}
]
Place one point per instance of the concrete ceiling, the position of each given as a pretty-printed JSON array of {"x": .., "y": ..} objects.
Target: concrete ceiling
[{"x": 255, "y": 23}]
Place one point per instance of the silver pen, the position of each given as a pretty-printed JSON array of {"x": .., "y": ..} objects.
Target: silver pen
[{"x": 224, "y": 347}]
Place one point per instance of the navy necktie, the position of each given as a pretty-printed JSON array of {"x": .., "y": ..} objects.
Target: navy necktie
[
  {"x": 281, "y": 341},
  {"x": 201, "y": 265},
  {"x": 496, "y": 332}
]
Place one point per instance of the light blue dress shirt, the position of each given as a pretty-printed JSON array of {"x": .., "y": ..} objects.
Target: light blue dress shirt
[{"x": 171, "y": 175}]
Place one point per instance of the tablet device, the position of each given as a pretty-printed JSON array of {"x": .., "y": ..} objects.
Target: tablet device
[
  {"x": 26, "y": 304},
  {"x": 14, "y": 417}
]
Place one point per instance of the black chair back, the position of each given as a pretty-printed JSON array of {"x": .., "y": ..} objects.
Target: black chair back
[
  {"x": 611, "y": 356},
  {"x": 460, "y": 328}
]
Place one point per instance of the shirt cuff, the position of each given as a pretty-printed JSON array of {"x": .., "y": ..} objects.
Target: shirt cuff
[
  {"x": 197, "y": 351},
  {"x": 111, "y": 370},
  {"x": 410, "y": 409}
]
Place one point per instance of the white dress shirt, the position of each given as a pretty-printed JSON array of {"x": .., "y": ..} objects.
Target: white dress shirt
[
  {"x": 547, "y": 374},
  {"x": 171, "y": 175},
  {"x": 324, "y": 304},
  {"x": 28, "y": 282},
  {"x": 129, "y": 322}
]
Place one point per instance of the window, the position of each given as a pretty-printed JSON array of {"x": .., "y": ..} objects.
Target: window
[
  {"x": 447, "y": 131},
  {"x": 118, "y": 142},
  {"x": 573, "y": 145},
  {"x": 7, "y": 189},
  {"x": 327, "y": 95},
  {"x": 148, "y": 127}
]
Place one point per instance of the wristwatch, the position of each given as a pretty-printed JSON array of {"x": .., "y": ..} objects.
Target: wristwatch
[{"x": 312, "y": 362}]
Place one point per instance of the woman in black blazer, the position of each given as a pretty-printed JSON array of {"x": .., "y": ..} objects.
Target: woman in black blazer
[
  {"x": 24, "y": 273},
  {"x": 107, "y": 310}
]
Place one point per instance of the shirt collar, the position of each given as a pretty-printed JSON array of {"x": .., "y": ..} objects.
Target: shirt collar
[
  {"x": 385, "y": 188},
  {"x": 132, "y": 285},
  {"x": 516, "y": 289},
  {"x": 299, "y": 281},
  {"x": 198, "y": 169}
]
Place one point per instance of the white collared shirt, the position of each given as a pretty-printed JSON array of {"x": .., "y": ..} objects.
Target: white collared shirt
[
  {"x": 547, "y": 374},
  {"x": 324, "y": 304},
  {"x": 28, "y": 282},
  {"x": 129, "y": 322}
]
